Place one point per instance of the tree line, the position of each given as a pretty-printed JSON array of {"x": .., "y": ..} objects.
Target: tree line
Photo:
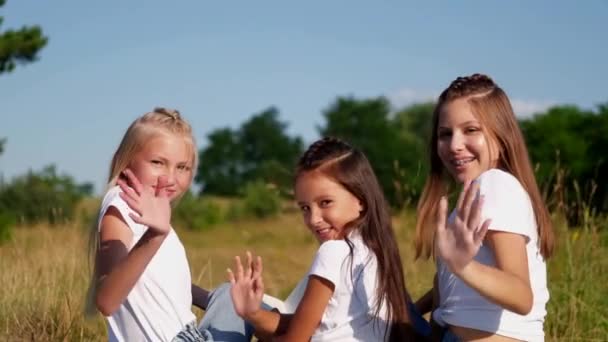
[{"x": 566, "y": 144}]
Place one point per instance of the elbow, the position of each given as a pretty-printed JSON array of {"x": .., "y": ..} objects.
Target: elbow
[
  {"x": 105, "y": 307},
  {"x": 524, "y": 306}
]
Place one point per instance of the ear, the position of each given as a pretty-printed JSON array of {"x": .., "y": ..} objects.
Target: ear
[{"x": 361, "y": 206}]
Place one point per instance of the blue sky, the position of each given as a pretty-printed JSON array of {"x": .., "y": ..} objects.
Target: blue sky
[{"x": 219, "y": 62}]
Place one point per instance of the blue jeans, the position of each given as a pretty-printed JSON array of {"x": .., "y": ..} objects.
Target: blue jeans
[
  {"x": 220, "y": 323},
  {"x": 449, "y": 336}
]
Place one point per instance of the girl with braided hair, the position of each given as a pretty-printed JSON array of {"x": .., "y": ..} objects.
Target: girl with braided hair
[
  {"x": 491, "y": 281},
  {"x": 355, "y": 288},
  {"x": 141, "y": 281}
]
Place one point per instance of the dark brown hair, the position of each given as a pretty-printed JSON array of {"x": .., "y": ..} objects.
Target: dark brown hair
[{"x": 349, "y": 167}]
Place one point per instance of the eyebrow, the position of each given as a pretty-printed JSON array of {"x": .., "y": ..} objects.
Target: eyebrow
[{"x": 462, "y": 124}]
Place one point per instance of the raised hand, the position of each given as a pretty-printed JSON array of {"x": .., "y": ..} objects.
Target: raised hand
[
  {"x": 151, "y": 205},
  {"x": 247, "y": 286},
  {"x": 459, "y": 241}
]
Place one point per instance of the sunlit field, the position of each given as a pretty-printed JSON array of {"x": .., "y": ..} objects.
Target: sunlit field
[{"x": 44, "y": 274}]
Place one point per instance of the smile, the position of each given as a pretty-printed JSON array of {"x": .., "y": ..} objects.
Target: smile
[{"x": 461, "y": 162}]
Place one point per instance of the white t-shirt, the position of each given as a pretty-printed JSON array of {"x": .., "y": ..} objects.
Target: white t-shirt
[
  {"x": 159, "y": 305},
  {"x": 349, "y": 313},
  {"x": 509, "y": 206}
]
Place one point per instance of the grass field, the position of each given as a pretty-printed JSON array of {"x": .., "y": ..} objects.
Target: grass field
[{"x": 44, "y": 274}]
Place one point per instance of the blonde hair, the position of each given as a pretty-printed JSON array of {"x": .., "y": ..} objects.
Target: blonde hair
[
  {"x": 141, "y": 131},
  {"x": 490, "y": 104}
]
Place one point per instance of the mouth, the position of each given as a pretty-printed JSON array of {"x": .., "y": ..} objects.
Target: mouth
[
  {"x": 323, "y": 233},
  {"x": 460, "y": 163}
]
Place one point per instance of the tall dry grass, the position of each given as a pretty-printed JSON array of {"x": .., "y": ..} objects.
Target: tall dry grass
[{"x": 44, "y": 274}]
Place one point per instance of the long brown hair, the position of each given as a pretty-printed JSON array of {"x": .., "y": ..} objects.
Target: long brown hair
[
  {"x": 349, "y": 167},
  {"x": 490, "y": 104},
  {"x": 141, "y": 131}
]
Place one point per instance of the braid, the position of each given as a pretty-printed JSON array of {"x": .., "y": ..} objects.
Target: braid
[
  {"x": 323, "y": 150},
  {"x": 476, "y": 84},
  {"x": 172, "y": 113}
]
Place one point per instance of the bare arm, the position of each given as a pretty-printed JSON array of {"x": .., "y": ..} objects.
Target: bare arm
[
  {"x": 425, "y": 303},
  {"x": 119, "y": 270},
  {"x": 507, "y": 284},
  {"x": 247, "y": 291},
  {"x": 310, "y": 310},
  {"x": 200, "y": 297}
]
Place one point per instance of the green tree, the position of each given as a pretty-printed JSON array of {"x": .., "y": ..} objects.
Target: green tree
[
  {"x": 575, "y": 141},
  {"x": 414, "y": 124},
  {"x": 42, "y": 196},
  {"x": 260, "y": 149},
  {"x": 366, "y": 124},
  {"x": 220, "y": 163},
  {"x": 19, "y": 46}
]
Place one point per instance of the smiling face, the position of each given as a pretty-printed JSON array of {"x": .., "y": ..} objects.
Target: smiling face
[
  {"x": 327, "y": 207},
  {"x": 462, "y": 144},
  {"x": 167, "y": 155}
]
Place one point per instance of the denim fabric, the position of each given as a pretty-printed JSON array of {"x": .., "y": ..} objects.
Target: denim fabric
[{"x": 190, "y": 333}]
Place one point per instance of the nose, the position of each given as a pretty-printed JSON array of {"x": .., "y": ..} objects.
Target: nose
[
  {"x": 456, "y": 142},
  {"x": 170, "y": 173},
  {"x": 315, "y": 217}
]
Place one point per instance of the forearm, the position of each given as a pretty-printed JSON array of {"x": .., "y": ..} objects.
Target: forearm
[
  {"x": 269, "y": 323},
  {"x": 200, "y": 297},
  {"x": 120, "y": 280},
  {"x": 500, "y": 287},
  {"x": 425, "y": 303}
]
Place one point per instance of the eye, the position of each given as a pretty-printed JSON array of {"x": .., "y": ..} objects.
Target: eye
[
  {"x": 184, "y": 167},
  {"x": 304, "y": 208},
  {"x": 156, "y": 162},
  {"x": 470, "y": 130},
  {"x": 325, "y": 203}
]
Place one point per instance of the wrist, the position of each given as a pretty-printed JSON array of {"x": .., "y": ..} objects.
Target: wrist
[
  {"x": 464, "y": 271},
  {"x": 252, "y": 316},
  {"x": 153, "y": 234}
]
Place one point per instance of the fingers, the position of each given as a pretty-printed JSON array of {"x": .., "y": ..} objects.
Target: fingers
[
  {"x": 442, "y": 214},
  {"x": 470, "y": 194},
  {"x": 480, "y": 233},
  {"x": 131, "y": 202},
  {"x": 465, "y": 186},
  {"x": 257, "y": 268},
  {"x": 475, "y": 213},
  {"x": 133, "y": 181},
  {"x": 161, "y": 186},
  {"x": 231, "y": 276},
  {"x": 248, "y": 265},
  {"x": 238, "y": 267}
]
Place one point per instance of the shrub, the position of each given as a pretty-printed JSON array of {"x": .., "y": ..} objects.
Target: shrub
[{"x": 261, "y": 200}]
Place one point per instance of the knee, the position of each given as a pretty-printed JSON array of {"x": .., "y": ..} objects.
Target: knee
[{"x": 220, "y": 293}]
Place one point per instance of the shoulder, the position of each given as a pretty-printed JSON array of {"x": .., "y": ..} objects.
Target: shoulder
[
  {"x": 498, "y": 179},
  {"x": 333, "y": 249},
  {"x": 113, "y": 200},
  {"x": 506, "y": 202}
]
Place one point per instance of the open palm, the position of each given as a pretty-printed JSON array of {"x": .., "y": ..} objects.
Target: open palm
[
  {"x": 247, "y": 286},
  {"x": 153, "y": 207},
  {"x": 458, "y": 242}
]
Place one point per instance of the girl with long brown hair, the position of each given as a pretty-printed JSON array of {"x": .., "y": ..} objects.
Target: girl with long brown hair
[
  {"x": 491, "y": 279},
  {"x": 355, "y": 287}
]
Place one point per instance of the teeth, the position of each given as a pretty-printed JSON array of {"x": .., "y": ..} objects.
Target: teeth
[{"x": 462, "y": 161}]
